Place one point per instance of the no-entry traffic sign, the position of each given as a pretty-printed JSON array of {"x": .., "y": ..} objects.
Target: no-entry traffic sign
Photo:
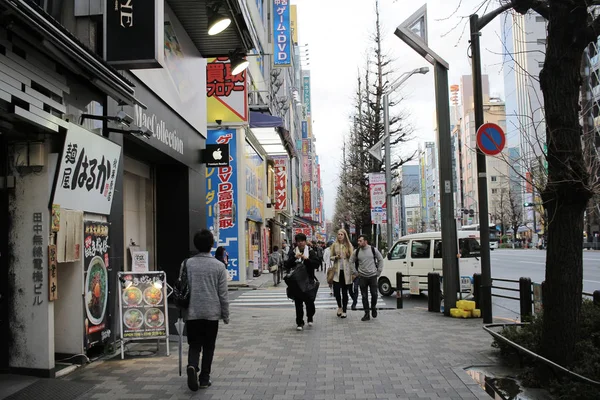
[{"x": 490, "y": 139}]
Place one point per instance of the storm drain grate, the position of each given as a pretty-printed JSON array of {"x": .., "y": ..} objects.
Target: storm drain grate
[{"x": 52, "y": 389}]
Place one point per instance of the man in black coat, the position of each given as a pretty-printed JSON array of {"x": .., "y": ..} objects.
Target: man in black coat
[{"x": 303, "y": 254}]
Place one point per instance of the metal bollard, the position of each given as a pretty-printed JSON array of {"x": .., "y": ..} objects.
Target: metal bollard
[
  {"x": 477, "y": 290},
  {"x": 596, "y": 297},
  {"x": 399, "y": 300},
  {"x": 433, "y": 291},
  {"x": 526, "y": 298}
]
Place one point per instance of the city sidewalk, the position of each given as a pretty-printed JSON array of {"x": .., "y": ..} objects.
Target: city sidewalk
[{"x": 403, "y": 354}]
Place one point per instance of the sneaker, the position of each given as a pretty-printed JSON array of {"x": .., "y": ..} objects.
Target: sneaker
[
  {"x": 339, "y": 312},
  {"x": 366, "y": 317},
  {"x": 310, "y": 323},
  {"x": 343, "y": 315},
  {"x": 205, "y": 384},
  {"x": 299, "y": 328},
  {"x": 192, "y": 380},
  {"x": 374, "y": 313}
]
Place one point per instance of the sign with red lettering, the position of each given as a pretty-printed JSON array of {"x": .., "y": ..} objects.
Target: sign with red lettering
[
  {"x": 306, "y": 198},
  {"x": 226, "y": 94},
  {"x": 281, "y": 183}
]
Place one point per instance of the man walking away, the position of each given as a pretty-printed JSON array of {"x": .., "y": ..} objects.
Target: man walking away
[
  {"x": 276, "y": 265},
  {"x": 303, "y": 254},
  {"x": 209, "y": 302},
  {"x": 319, "y": 251},
  {"x": 367, "y": 261}
]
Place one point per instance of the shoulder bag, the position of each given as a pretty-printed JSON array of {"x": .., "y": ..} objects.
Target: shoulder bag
[{"x": 181, "y": 291}]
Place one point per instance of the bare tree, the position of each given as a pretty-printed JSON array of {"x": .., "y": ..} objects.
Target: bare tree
[{"x": 515, "y": 212}]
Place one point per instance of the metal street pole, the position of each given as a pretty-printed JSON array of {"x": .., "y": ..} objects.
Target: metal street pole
[
  {"x": 387, "y": 149},
  {"x": 484, "y": 225},
  {"x": 413, "y": 32}
]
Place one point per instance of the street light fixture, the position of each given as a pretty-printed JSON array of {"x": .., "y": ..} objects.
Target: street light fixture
[
  {"x": 217, "y": 22},
  {"x": 388, "y": 155}
]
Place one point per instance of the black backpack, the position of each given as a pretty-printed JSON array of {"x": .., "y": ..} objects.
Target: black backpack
[{"x": 356, "y": 258}]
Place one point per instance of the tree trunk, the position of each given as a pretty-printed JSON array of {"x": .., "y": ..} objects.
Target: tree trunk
[{"x": 567, "y": 191}]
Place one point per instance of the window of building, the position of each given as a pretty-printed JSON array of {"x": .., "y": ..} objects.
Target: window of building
[
  {"x": 540, "y": 64},
  {"x": 540, "y": 19},
  {"x": 494, "y": 178},
  {"x": 494, "y": 191}
]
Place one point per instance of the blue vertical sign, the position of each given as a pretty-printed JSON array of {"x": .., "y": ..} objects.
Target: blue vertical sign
[
  {"x": 304, "y": 129},
  {"x": 282, "y": 33},
  {"x": 221, "y": 200},
  {"x": 306, "y": 93}
]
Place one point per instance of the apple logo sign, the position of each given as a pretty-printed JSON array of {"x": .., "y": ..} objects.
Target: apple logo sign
[{"x": 217, "y": 154}]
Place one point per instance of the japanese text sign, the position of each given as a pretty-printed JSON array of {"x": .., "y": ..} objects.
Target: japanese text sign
[
  {"x": 52, "y": 273},
  {"x": 306, "y": 198},
  {"x": 306, "y": 93},
  {"x": 88, "y": 171},
  {"x": 38, "y": 260},
  {"x": 227, "y": 98},
  {"x": 282, "y": 33},
  {"x": 378, "y": 197},
  {"x": 221, "y": 200},
  {"x": 281, "y": 183}
]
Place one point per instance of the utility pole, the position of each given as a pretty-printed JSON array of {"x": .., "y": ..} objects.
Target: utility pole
[{"x": 476, "y": 24}]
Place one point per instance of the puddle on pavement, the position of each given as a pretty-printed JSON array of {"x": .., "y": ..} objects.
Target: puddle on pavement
[{"x": 498, "y": 384}]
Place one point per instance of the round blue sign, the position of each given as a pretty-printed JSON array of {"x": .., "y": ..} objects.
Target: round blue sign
[{"x": 490, "y": 139}]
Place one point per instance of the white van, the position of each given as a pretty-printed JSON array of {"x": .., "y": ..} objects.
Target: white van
[{"x": 421, "y": 253}]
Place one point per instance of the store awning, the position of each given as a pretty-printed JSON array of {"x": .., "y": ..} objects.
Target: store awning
[
  {"x": 272, "y": 136},
  {"x": 55, "y": 40},
  {"x": 305, "y": 221}
]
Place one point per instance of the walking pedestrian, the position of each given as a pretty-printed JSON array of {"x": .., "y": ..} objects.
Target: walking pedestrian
[
  {"x": 341, "y": 251},
  {"x": 276, "y": 265},
  {"x": 209, "y": 302},
  {"x": 367, "y": 261},
  {"x": 221, "y": 255},
  {"x": 303, "y": 254}
]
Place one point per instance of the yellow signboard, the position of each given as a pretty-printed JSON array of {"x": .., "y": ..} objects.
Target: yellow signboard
[
  {"x": 294, "y": 23},
  {"x": 227, "y": 94},
  {"x": 255, "y": 184}
]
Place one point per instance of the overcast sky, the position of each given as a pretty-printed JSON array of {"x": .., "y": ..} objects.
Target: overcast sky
[{"x": 338, "y": 34}]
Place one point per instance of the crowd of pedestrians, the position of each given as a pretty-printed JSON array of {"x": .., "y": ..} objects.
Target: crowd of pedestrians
[{"x": 206, "y": 278}]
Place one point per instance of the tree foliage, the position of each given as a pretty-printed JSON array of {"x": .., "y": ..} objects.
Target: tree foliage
[{"x": 367, "y": 129}]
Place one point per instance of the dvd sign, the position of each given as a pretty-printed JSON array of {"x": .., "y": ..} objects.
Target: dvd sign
[{"x": 134, "y": 33}]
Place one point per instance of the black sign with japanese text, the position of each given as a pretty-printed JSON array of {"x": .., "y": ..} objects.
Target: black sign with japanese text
[
  {"x": 88, "y": 172},
  {"x": 143, "y": 305},
  {"x": 134, "y": 33},
  {"x": 95, "y": 278}
]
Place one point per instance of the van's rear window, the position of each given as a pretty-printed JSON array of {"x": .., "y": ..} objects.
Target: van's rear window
[{"x": 469, "y": 247}]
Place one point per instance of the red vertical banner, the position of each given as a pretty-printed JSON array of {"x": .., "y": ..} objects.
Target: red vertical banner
[
  {"x": 306, "y": 200},
  {"x": 528, "y": 185},
  {"x": 280, "y": 184}
]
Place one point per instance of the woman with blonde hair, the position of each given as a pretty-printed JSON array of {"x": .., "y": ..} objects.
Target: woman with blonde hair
[{"x": 341, "y": 250}]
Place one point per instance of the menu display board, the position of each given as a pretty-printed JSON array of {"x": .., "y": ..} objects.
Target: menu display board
[
  {"x": 95, "y": 289},
  {"x": 143, "y": 305}
]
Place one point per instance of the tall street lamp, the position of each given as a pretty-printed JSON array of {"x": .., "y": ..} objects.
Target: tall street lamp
[
  {"x": 388, "y": 155},
  {"x": 413, "y": 32}
]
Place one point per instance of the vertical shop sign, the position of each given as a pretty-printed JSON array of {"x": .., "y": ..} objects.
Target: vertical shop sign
[
  {"x": 280, "y": 183},
  {"x": 281, "y": 31},
  {"x": 52, "y": 273},
  {"x": 378, "y": 197},
  {"x": 304, "y": 129},
  {"x": 306, "y": 93},
  {"x": 95, "y": 277},
  {"x": 306, "y": 200},
  {"x": 226, "y": 94},
  {"x": 221, "y": 195},
  {"x": 38, "y": 258}
]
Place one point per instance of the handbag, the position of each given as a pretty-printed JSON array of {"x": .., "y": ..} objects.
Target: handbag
[
  {"x": 181, "y": 291},
  {"x": 330, "y": 274},
  {"x": 273, "y": 268}
]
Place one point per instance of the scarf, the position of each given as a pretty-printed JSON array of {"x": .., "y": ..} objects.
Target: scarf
[{"x": 305, "y": 254}]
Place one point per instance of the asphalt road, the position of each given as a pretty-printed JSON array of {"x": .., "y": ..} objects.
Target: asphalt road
[{"x": 513, "y": 264}]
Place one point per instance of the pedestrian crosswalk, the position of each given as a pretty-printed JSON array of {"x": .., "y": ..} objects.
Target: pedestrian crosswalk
[{"x": 278, "y": 298}]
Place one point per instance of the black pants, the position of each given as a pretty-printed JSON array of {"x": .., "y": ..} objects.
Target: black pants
[
  {"x": 310, "y": 311},
  {"x": 202, "y": 336},
  {"x": 365, "y": 284},
  {"x": 353, "y": 288},
  {"x": 342, "y": 302}
]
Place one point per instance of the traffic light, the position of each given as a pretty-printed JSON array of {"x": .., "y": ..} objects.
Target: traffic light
[
  {"x": 528, "y": 204},
  {"x": 471, "y": 213}
]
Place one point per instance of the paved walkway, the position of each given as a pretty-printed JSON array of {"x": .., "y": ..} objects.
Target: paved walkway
[{"x": 403, "y": 354}]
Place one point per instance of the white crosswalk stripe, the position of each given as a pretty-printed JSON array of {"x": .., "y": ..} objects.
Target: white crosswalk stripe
[{"x": 278, "y": 298}]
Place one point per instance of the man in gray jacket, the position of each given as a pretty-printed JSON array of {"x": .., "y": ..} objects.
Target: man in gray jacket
[
  {"x": 367, "y": 262},
  {"x": 209, "y": 302}
]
